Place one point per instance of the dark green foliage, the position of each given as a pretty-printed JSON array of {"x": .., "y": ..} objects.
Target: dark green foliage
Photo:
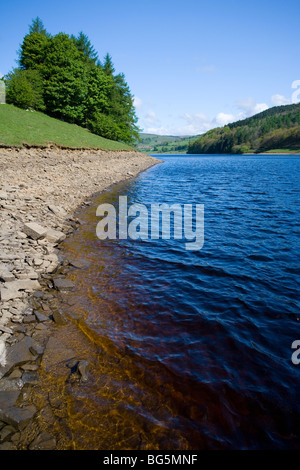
[
  {"x": 275, "y": 128},
  {"x": 33, "y": 50},
  {"x": 37, "y": 27},
  {"x": 25, "y": 89},
  {"x": 65, "y": 80},
  {"x": 105, "y": 126},
  {"x": 84, "y": 45},
  {"x": 108, "y": 65},
  {"x": 63, "y": 76}
]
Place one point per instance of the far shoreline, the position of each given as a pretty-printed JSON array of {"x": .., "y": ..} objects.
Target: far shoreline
[{"x": 225, "y": 154}]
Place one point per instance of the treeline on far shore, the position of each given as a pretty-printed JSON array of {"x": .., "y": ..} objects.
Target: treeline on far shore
[
  {"x": 63, "y": 77},
  {"x": 275, "y": 128}
]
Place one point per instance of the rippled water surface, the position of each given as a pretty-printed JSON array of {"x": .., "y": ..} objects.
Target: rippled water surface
[{"x": 192, "y": 349}]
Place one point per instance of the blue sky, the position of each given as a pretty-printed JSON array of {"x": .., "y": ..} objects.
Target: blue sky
[{"x": 192, "y": 65}]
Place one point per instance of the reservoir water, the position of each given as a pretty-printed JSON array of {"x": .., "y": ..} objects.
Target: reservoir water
[{"x": 192, "y": 349}]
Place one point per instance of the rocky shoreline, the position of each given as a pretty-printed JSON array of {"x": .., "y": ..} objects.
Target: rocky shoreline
[{"x": 40, "y": 190}]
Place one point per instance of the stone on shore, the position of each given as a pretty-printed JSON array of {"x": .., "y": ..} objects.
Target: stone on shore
[
  {"x": 34, "y": 230},
  {"x": 11, "y": 414},
  {"x": 55, "y": 236},
  {"x": 17, "y": 354},
  {"x": 57, "y": 210},
  {"x": 6, "y": 275},
  {"x": 13, "y": 290}
]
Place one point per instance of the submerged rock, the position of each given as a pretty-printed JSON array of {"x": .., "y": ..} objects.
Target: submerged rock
[
  {"x": 63, "y": 284},
  {"x": 59, "y": 317},
  {"x": 43, "y": 442},
  {"x": 11, "y": 414},
  {"x": 82, "y": 368},
  {"x": 17, "y": 354}
]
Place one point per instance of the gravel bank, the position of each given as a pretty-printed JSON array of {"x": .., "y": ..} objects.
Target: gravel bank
[{"x": 40, "y": 189}]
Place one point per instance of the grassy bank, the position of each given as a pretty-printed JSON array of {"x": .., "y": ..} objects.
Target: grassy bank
[{"x": 19, "y": 127}]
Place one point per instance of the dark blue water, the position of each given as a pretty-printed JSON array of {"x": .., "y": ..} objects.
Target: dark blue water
[{"x": 205, "y": 336}]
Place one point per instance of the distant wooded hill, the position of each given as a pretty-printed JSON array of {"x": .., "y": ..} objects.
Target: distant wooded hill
[
  {"x": 153, "y": 143},
  {"x": 276, "y": 129}
]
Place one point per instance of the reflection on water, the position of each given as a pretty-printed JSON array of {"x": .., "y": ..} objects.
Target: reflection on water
[{"x": 187, "y": 350}]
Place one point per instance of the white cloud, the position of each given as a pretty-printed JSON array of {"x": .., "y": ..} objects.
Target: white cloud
[
  {"x": 192, "y": 124},
  {"x": 195, "y": 117},
  {"x": 137, "y": 102},
  {"x": 199, "y": 123},
  {"x": 279, "y": 100},
  {"x": 249, "y": 107},
  {"x": 222, "y": 119}
]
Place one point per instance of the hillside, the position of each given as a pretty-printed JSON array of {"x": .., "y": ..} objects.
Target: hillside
[
  {"x": 19, "y": 127},
  {"x": 156, "y": 144},
  {"x": 274, "y": 130}
]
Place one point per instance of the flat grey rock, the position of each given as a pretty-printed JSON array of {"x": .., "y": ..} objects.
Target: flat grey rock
[
  {"x": 43, "y": 442},
  {"x": 55, "y": 236},
  {"x": 17, "y": 354},
  {"x": 63, "y": 284},
  {"x": 11, "y": 290},
  {"x": 11, "y": 414},
  {"x": 34, "y": 230}
]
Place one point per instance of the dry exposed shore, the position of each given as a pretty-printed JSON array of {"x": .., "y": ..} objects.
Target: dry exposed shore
[{"x": 39, "y": 191}]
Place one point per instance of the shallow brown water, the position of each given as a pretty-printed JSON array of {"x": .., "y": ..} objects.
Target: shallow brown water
[{"x": 186, "y": 350}]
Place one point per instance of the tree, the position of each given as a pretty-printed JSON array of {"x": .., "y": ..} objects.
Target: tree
[
  {"x": 108, "y": 65},
  {"x": 32, "y": 53},
  {"x": 122, "y": 109},
  {"x": 38, "y": 27},
  {"x": 63, "y": 76},
  {"x": 65, "y": 80},
  {"x": 105, "y": 126},
  {"x": 25, "y": 89},
  {"x": 84, "y": 45},
  {"x": 99, "y": 90}
]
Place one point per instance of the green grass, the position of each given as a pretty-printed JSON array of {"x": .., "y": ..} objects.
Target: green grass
[
  {"x": 19, "y": 127},
  {"x": 284, "y": 151}
]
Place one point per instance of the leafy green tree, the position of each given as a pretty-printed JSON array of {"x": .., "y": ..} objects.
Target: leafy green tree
[
  {"x": 65, "y": 80},
  {"x": 37, "y": 26},
  {"x": 108, "y": 65},
  {"x": 105, "y": 126},
  {"x": 99, "y": 90},
  {"x": 84, "y": 45},
  {"x": 33, "y": 50},
  {"x": 25, "y": 89},
  {"x": 122, "y": 109},
  {"x": 63, "y": 76}
]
